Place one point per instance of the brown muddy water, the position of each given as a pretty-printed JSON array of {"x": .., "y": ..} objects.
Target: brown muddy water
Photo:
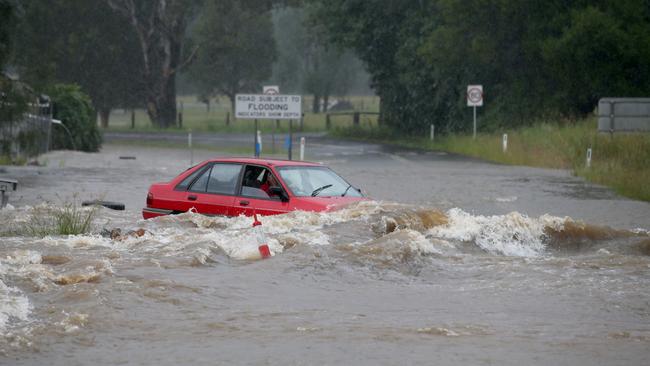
[{"x": 456, "y": 261}]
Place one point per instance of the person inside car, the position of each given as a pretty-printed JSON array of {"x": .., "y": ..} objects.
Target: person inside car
[{"x": 270, "y": 181}]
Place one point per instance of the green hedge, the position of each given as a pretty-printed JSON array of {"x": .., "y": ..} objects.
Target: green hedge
[{"x": 75, "y": 110}]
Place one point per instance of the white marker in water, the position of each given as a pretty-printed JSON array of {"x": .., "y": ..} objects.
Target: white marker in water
[
  {"x": 189, "y": 144},
  {"x": 302, "y": 148}
]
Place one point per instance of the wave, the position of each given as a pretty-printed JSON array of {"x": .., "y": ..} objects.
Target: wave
[{"x": 14, "y": 307}]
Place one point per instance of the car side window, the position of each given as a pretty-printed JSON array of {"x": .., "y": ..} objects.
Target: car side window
[
  {"x": 223, "y": 178},
  {"x": 201, "y": 184},
  {"x": 257, "y": 182},
  {"x": 182, "y": 186}
]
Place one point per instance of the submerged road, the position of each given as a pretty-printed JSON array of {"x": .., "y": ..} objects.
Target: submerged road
[
  {"x": 459, "y": 261},
  {"x": 388, "y": 173}
]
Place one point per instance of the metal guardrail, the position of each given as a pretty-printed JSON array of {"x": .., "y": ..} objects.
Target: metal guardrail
[
  {"x": 28, "y": 136},
  {"x": 624, "y": 115}
]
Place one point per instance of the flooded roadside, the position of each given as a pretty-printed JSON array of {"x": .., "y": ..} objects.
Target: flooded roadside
[{"x": 447, "y": 275}]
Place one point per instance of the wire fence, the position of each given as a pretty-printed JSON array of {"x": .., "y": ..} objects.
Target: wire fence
[{"x": 28, "y": 135}]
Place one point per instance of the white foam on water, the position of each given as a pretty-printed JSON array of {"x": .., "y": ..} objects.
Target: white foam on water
[
  {"x": 641, "y": 231},
  {"x": 312, "y": 238},
  {"x": 506, "y": 199},
  {"x": 171, "y": 235},
  {"x": 279, "y": 224},
  {"x": 513, "y": 234},
  {"x": 419, "y": 243},
  {"x": 26, "y": 264},
  {"x": 22, "y": 257},
  {"x": 72, "y": 322},
  {"x": 14, "y": 305}
]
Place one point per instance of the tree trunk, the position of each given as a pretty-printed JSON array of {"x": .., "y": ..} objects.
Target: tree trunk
[
  {"x": 315, "y": 106},
  {"x": 104, "y": 115},
  {"x": 326, "y": 100},
  {"x": 232, "y": 108},
  {"x": 161, "y": 94},
  {"x": 380, "y": 118},
  {"x": 160, "y": 26}
]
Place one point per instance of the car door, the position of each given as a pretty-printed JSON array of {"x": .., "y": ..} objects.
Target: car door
[
  {"x": 253, "y": 199},
  {"x": 213, "y": 192}
]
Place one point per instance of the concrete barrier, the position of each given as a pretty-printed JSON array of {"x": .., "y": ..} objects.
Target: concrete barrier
[{"x": 624, "y": 115}]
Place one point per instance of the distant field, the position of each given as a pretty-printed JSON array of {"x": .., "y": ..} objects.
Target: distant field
[{"x": 197, "y": 117}]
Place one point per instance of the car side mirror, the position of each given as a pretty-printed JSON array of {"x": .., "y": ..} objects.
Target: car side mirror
[{"x": 278, "y": 191}]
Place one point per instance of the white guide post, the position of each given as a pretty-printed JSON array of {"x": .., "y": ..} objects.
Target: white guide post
[{"x": 302, "y": 148}]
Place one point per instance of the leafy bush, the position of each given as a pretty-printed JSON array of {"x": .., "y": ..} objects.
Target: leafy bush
[{"x": 75, "y": 110}]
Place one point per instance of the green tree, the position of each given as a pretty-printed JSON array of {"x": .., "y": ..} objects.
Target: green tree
[
  {"x": 376, "y": 30},
  {"x": 236, "y": 47},
  {"x": 160, "y": 27},
  {"x": 14, "y": 96},
  {"x": 76, "y": 41},
  {"x": 7, "y": 25},
  {"x": 307, "y": 63},
  {"x": 602, "y": 51},
  {"x": 534, "y": 58}
]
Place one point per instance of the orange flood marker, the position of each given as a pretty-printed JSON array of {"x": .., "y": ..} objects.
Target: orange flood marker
[{"x": 263, "y": 247}]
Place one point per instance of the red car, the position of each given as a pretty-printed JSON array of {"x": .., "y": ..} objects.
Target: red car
[{"x": 235, "y": 186}]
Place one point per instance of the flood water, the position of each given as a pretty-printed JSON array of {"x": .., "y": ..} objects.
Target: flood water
[{"x": 454, "y": 261}]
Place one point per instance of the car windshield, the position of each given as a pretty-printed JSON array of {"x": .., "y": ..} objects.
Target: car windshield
[{"x": 316, "y": 181}]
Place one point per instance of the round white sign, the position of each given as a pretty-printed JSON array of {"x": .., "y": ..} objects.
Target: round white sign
[{"x": 474, "y": 95}]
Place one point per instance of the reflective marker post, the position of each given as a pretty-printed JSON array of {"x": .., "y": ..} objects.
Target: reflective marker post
[
  {"x": 505, "y": 142},
  {"x": 290, "y": 138},
  {"x": 589, "y": 158},
  {"x": 256, "y": 153},
  {"x": 189, "y": 144},
  {"x": 258, "y": 145},
  {"x": 302, "y": 148}
]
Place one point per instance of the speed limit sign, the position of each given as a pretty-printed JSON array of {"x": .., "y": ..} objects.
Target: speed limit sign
[{"x": 475, "y": 95}]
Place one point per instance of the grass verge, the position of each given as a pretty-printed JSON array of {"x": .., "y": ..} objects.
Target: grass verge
[
  {"x": 7, "y": 160},
  {"x": 620, "y": 161}
]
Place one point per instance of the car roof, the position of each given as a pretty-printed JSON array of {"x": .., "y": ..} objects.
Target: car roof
[{"x": 264, "y": 161}]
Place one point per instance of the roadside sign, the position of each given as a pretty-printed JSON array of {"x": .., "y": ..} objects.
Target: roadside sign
[
  {"x": 271, "y": 89},
  {"x": 475, "y": 95},
  {"x": 261, "y": 106}
]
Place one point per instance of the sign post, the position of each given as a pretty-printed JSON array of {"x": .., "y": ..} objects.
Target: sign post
[
  {"x": 268, "y": 106},
  {"x": 256, "y": 152},
  {"x": 475, "y": 99},
  {"x": 272, "y": 90}
]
